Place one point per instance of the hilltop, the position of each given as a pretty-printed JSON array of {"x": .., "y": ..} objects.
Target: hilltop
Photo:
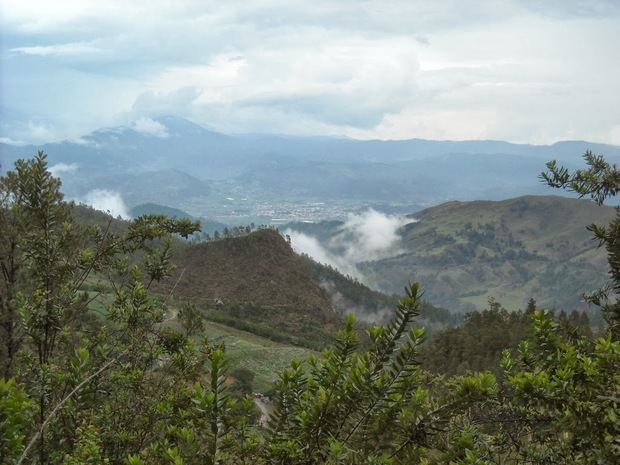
[
  {"x": 258, "y": 283},
  {"x": 467, "y": 252},
  {"x": 150, "y": 208},
  {"x": 255, "y": 282}
]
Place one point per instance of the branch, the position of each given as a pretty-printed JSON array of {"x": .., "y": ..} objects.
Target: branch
[{"x": 59, "y": 407}]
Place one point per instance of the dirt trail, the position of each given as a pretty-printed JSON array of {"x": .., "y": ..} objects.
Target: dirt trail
[{"x": 263, "y": 405}]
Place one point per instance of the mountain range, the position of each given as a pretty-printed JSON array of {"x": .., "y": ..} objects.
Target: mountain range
[
  {"x": 465, "y": 253},
  {"x": 243, "y": 178}
]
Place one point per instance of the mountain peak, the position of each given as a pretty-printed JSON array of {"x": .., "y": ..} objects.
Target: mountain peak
[
  {"x": 183, "y": 127},
  {"x": 161, "y": 127}
]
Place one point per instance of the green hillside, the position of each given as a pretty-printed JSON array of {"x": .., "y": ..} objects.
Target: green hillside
[
  {"x": 348, "y": 295},
  {"x": 533, "y": 246},
  {"x": 101, "y": 365},
  {"x": 263, "y": 357},
  {"x": 156, "y": 209},
  {"x": 257, "y": 283}
]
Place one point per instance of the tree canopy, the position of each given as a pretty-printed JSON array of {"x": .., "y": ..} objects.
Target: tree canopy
[{"x": 119, "y": 383}]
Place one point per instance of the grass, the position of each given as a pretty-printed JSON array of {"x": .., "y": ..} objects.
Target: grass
[{"x": 263, "y": 357}]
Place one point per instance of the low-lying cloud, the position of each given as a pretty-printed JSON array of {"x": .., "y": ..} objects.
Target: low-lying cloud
[
  {"x": 364, "y": 237},
  {"x": 150, "y": 127},
  {"x": 107, "y": 201},
  {"x": 369, "y": 236},
  {"x": 63, "y": 168},
  {"x": 74, "y": 48}
]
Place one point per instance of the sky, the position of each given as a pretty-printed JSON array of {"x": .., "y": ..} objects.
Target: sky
[{"x": 521, "y": 70}]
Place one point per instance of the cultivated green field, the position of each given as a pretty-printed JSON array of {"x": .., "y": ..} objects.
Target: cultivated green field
[{"x": 263, "y": 357}]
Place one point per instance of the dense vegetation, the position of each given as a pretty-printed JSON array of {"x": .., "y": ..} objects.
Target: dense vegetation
[
  {"x": 478, "y": 343},
  {"x": 254, "y": 282},
  {"x": 348, "y": 294},
  {"x": 468, "y": 252},
  {"x": 130, "y": 383}
]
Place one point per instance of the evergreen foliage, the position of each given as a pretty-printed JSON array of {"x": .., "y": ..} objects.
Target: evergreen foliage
[
  {"x": 600, "y": 181},
  {"x": 127, "y": 388},
  {"x": 478, "y": 343}
]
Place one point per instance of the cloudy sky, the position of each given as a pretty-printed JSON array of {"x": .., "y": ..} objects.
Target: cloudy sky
[{"x": 390, "y": 69}]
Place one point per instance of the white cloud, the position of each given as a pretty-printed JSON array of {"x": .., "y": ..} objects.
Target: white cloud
[
  {"x": 363, "y": 237},
  {"x": 373, "y": 235},
  {"x": 61, "y": 168},
  {"x": 76, "y": 48},
  {"x": 40, "y": 132},
  {"x": 83, "y": 141},
  {"x": 150, "y": 127},
  {"x": 428, "y": 122},
  {"x": 406, "y": 68},
  {"x": 309, "y": 245},
  {"x": 107, "y": 201},
  {"x": 302, "y": 83},
  {"x": 9, "y": 141}
]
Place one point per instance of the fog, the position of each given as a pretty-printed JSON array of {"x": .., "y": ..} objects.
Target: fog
[
  {"x": 60, "y": 168},
  {"x": 107, "y": 201},
  {"x": 368, "y": 236}
]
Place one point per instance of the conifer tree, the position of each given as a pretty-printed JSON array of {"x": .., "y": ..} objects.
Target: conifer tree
[{"x": 599, "y": 181}]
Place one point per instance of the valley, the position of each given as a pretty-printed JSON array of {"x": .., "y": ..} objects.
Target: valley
[
  {"x": 465, "y": 252},
  {"x": 309, "y": 233},
  {"x": 271, "y": 179},
  {"x": 468, "y": 252}
]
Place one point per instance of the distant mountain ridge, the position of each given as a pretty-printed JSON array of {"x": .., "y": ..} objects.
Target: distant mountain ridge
[{"x": 197, "y": 170}]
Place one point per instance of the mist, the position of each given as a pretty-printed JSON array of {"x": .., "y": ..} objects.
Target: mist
[
  {"x": 62, "y": 168},
  {"x": 368, "y": 236},
  {"x": 108, "y": 201}
]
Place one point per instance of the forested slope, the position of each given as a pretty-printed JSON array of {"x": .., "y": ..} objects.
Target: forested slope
[{"x": 512, "y": 250}]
